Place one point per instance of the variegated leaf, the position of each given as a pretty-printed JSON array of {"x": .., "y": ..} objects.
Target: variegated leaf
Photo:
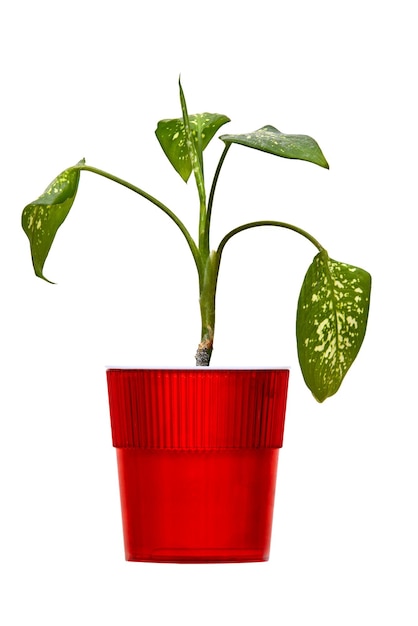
[
  {"x": 331, "y": 322},
  {"x": 172, "y": 137},
  {"x": 42, "y": 218},
  {"x": 269, "y": 139}
]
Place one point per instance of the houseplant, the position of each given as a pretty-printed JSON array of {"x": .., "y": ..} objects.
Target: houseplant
[{"x": 331, "y": 322}]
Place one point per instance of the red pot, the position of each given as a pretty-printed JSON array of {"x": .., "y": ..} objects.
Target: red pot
[{"x": 197, "y": 454}]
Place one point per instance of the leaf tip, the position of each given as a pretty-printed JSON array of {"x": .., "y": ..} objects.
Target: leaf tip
[
  {"x": 38, "y": 269},
  {"x": 319, "y": 399},
  {"x": 51, "y": 282}
]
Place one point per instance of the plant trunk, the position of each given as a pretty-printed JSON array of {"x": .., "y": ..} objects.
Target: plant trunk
[
  {"x": 203, "y": 355},
  {"x": 207, "y": 309}
]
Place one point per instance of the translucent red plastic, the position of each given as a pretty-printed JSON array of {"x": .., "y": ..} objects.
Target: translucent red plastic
[{"x": 197, "y": 455}]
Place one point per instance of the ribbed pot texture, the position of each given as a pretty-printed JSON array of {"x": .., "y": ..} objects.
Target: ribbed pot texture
[{"x": 197, "y": 457}]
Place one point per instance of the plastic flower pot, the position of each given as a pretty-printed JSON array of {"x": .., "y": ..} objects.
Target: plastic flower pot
[{"x": 197, "y": 453}]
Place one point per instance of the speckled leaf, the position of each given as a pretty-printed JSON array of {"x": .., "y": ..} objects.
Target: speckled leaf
[
  {"x": 269, "y": 139},
  {"x": 172, "y": 137},
  {"x": 42, "y": 218},
  {"x": 331, "y": 322}
]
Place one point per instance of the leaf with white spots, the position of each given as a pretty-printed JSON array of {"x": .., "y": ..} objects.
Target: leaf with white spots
[
  {"x": 269, "y": 139},
  {"x": 331, "y": 322},
  {"x": 172, "y": 137},
  {"x": 42, "y": 218}
]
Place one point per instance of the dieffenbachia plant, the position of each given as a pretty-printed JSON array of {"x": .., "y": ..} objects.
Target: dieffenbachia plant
[{"x": 333, "y": 304}]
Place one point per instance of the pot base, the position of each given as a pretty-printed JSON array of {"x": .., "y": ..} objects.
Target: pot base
[{"x": 197, "y": 506}]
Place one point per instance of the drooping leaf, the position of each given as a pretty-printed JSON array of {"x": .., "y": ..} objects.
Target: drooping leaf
[
  {"x": 172, "y": 137},
  {"x": 269, "y": 139},
  {"x": 331, "y": 322},
  {"x": 42, "y": 218}
]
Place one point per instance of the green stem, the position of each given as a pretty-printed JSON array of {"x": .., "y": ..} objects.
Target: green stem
[
  {"x": 207, "y": 308},
  {"x": 192, "y": 245},
  {"x": 212, "y": 193},
  {"x": 239, "y": 229},
  {"x": 209, "y": 279},
  {"x": 203, "y": 240}
]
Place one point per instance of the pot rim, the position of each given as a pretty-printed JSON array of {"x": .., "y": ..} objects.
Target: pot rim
[{"x": 192, "y": 368}]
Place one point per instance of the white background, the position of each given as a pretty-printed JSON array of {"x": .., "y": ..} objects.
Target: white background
[{"x": 91, "y": 79}]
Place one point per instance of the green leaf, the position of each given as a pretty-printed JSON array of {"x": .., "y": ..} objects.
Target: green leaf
[
  {"x": 269, "y": 139},
  {"x": 195, "y": 151},
  {"x": 331, "y": 322},
  {"x": 172, "y": 137},
  {"x": 42, "y": 218}
]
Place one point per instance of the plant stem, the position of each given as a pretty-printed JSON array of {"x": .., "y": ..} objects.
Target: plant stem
[
  {"x": 212, "y": 193},
  {"x": 239, "y": 229},
  {"x": 207, "y": 308},
  {"x": 192, "y": 245},
  {"x": 210, "y": 279},
  {"x": 203, "y": 239}
]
